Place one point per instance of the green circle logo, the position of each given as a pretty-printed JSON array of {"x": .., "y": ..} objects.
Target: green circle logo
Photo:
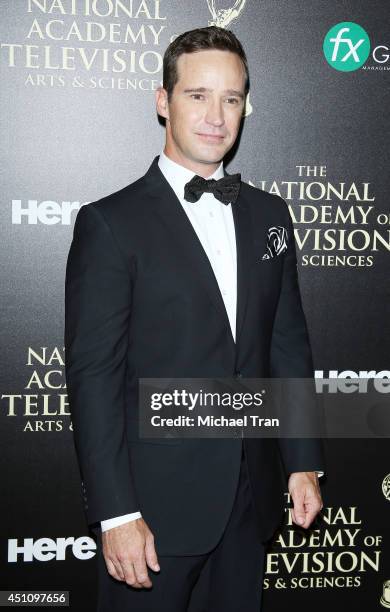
[{"x": 346, "y": 46}]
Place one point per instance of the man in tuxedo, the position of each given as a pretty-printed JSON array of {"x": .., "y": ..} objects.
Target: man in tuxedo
[{"x": 179, "y": 275}]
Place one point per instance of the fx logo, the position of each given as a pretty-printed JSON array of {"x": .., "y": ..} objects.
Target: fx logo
[{"x": 346, "y": 46}]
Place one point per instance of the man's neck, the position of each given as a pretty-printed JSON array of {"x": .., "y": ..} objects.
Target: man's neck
[{"x": 203, "y": 170}]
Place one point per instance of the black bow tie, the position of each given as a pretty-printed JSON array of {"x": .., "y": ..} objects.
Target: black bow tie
[{"x": 225, "y": 189}]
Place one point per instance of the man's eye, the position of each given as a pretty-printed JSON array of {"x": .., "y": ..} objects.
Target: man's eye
[
  {"x": 233, "y": 100},
  {"x": 197, "y": 95}
]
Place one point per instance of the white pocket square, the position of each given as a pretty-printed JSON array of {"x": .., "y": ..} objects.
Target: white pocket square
[{"x": 276, "y": 241}]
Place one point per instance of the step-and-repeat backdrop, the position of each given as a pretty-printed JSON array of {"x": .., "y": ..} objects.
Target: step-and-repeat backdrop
[{"x": 78, "y": 122}]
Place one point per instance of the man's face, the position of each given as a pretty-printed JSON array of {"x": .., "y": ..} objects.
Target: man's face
[{"x": 206, "y": 107}]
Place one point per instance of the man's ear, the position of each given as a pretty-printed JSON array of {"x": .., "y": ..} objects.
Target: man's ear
[{"x": 162, "y": 105}]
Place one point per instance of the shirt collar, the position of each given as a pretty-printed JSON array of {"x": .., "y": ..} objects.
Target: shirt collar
[{"x": 177, "y": 175}]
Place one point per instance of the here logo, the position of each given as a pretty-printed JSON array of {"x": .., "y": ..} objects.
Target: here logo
[
  {"x": 47, "y": 212},
  {"x": 47, "y": 549}
]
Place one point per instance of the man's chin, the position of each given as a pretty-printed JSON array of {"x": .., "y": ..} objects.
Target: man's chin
[{"x": 210, "y": 155}]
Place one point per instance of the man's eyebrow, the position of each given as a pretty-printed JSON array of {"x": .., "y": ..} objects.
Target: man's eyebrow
[{"x": 231, "y": 92}]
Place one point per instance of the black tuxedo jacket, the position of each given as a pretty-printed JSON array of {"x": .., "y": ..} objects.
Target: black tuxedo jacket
[{"x": 141, "y": 300}]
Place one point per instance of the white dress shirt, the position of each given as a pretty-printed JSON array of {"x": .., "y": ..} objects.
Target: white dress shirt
[{"x": 213, "y": 223}]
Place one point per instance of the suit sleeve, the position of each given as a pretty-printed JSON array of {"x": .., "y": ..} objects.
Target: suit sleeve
[
  {"x": 291, "y": 357},
  {"x": 98, "y": 295}
]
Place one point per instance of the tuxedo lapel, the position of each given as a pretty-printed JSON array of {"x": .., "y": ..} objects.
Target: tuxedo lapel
[
  {"x": 171, "y": 214},
  {"x": 244, "y": 247}
]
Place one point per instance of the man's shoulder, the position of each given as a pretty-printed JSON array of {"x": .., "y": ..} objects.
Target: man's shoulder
[
  {"x": 262, "y": 201},
  {"x": 127, "y": 197}
]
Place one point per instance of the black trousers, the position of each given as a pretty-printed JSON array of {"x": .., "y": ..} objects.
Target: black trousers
[{"x": 226, "y": 579}]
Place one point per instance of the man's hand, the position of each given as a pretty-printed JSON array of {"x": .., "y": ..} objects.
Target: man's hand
[
  {"x": 127, "y": 550},
  {"x": 306, "y": 495}
]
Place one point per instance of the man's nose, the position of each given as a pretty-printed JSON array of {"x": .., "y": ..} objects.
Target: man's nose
[{"x": 214, "y": 113}]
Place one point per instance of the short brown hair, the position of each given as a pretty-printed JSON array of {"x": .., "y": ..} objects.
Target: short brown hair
[{"x": 211, "y": 37}]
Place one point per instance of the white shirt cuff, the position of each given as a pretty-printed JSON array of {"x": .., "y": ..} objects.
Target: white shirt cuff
[{"x": 119, "y": 520}]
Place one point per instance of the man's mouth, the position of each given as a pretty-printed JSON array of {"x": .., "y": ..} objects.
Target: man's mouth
[{"x": 211, "y": 137}]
